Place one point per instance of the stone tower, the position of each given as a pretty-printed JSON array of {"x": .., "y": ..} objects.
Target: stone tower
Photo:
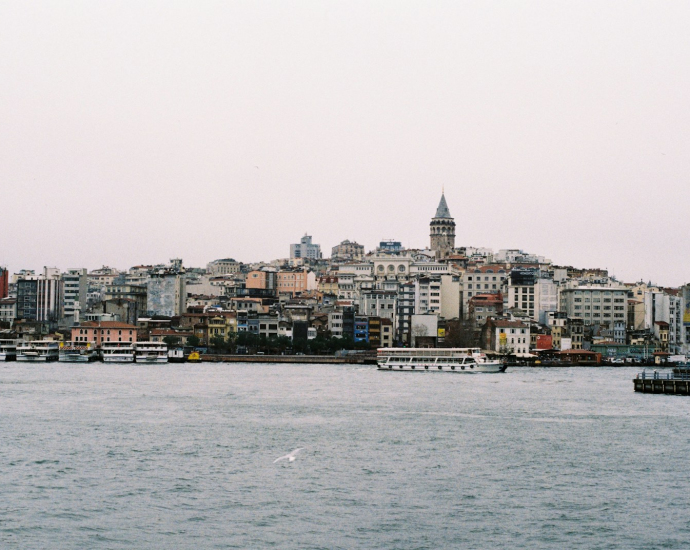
[{"x": 442, "y": 230}]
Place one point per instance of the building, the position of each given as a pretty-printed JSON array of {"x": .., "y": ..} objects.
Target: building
[
  {"x": 442, "y": 231},
  {"x": 305, "y": 249},
  {"x": 104, "y": 331},
  {"x": 504, "y": 336},
  {"x": 487, "y": 279},
  {"x": 166, "y": 293},
  {"x": 483, "y": 306},
  {"x": 4, "y": 283},
  {"x": 389, "y": 247},
  {"x": 8, "y": 310},
  {"x": 295, "y": 281},
  {"x": 75, "y": 288},
  {"x": 265, "y": 279},
  {"x": 39, "y": 297},
  {"x": 347, "y": 250},
  {"x": 600, "y": 305},
  {"x": 226, "y": 266}
]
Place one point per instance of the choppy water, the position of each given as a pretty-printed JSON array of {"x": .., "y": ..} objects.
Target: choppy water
[{"x": 181, "y": 456}]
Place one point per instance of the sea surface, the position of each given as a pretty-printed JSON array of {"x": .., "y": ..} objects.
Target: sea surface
[{"x": 182, "y": 457}]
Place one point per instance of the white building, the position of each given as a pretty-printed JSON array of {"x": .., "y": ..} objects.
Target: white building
[
  {"x": 595, "y": 305},
  {"x": 75, "y": 288},
  {"x": 305, "y": 249}
]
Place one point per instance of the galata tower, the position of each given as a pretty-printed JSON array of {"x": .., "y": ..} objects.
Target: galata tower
[{"x": 442, "y": 230}]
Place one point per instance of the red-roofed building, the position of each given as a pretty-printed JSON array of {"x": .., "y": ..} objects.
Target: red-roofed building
[{"x": 104, "y": 331}]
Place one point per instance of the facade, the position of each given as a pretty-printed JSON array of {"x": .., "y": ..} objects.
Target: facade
[
  {"x": 295, "y": 281},
  {"x": 305, "y": 249},
  {"x": 8, "y": 310},
  {"x": 39, "y": 297},
  {"x": 166, "y": 294},
  {"x": 347, "y": 250},
  {"x": 262, "y": 279},
  {"x": 226, "y": 266},
  {"x": 442, "y": 231},
  {"x": 486, "y": 279},
  {"x": 601, "y": 305},
  {"x": 4, "y": 283},
  {"x": 104, "y": 331},
  {"x": 75, "y": 288},
  {"x": 506, "y": 336}
]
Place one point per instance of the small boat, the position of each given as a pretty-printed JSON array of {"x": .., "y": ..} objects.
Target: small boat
[
  {"x": 150, "y": 352},
  {"x": 77, "y": 352},
  {"x": 176, "y": 355},
  {"x": 117, "y": 352},
  {"x": 8, "y": 350},
  {"x": 38, "y": 351},
  {"x": 194, "y": 357},
  {"x": 465, "y": 360}
]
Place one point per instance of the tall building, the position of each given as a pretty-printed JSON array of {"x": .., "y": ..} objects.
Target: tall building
[
  {"x": 305, "y": 249},
  {"x": 39, "y": 297},
  {"x": 75, "y": 287},
  {"x": 166, "y": 293},
  {"x": 4, "y": 283},
  {"x": 442, "y": 230}
]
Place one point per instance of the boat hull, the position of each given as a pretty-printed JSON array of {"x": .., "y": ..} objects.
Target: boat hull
[
  {"x": 151, "y": 359},
  {"x": 460, "y": 369},
  {"x": 119, "y": 359},
  {"x": 36, "y": 358},
  {"x": 77, "y": 358},
  {"x": 4, "y": 356}
]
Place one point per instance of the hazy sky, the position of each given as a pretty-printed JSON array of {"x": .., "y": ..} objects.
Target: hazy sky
[{"x": 134, "y": 132}]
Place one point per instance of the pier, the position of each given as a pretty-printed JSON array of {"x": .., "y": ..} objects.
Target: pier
[{"x": 667, "y": 383}]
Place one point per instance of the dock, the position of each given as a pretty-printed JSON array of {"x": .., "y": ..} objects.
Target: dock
[
  {"x": 666, "y": 383},
  {"x": 310, "y": 359}
]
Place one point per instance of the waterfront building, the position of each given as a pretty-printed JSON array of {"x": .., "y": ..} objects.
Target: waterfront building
[
  {"x": 104, "y": 331},
  {"x": 442, "y": 231},
  {"x": 601, "y": 305},
  {"x": 8, "y": 310},
  {"x": 506, "y": 336},
  {"x": 305, "y": 249}
]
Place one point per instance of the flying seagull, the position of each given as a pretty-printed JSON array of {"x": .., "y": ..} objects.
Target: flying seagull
[{"x": 290, "y": 456}]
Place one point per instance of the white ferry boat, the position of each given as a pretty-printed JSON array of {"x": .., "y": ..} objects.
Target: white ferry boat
[
  {"x": 78, "y": 352},
  {"x": 176, "y": 355},
  {"x": 42, "y": 351},
  {"x": 151, "y": 352},
  {"x": 8, "y": 350},
  {"x": 465, "y": 360},
  {"x": 117, "y": 352}
]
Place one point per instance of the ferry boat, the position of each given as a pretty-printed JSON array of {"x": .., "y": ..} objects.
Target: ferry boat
[
  {"x": 8, "y": 350},
  {"x": 117, "y": 352},
  {"x": 465, "y": 360},
  {"x": 77, "y": 352},
  {"x": 38, "y": 351},
  {"x": 151, "y": 352}
]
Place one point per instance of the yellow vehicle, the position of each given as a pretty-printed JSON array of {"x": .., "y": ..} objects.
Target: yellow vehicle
[{"x": 194, "y": 357}]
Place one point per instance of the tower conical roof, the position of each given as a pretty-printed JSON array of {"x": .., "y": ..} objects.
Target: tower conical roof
[{"x": 442, "y": 210}]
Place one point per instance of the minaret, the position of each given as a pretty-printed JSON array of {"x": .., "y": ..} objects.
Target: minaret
[{"x": 442, "y": 230}]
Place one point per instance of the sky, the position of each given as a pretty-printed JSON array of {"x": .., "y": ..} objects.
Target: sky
[{"x": 134, "y": 132}]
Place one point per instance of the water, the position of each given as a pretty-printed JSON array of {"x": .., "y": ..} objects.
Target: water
[{"x": 181, "y": 456}]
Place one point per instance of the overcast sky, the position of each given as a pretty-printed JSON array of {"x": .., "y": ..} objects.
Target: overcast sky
[{"x": 134, "y": 132}]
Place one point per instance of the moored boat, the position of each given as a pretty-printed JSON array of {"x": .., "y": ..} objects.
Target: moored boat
[
  {"x": 117, "y": 352},
  {"x": 150, "y": 352},
  {"x": 176, "y": 355},
  {"x": 8, "y": 350},
  {"x": 77, "y": 352},
  {"x": 38, "y": 351},
  {"x": 465, "y": 360}
]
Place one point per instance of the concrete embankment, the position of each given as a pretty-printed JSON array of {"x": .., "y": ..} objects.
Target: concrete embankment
[{"x": 315, "y": 359}]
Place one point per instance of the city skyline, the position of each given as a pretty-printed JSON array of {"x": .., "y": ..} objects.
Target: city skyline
[{"x": 134, "y": 134}]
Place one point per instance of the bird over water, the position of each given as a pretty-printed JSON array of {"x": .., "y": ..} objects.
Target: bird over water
[{"x": 290, "y": 456}]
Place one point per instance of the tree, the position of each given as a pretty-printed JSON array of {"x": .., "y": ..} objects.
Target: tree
[
  {"x": 172, "y": 341},
  {"x": 193, "y": 341},
  {"x": 461, "y": 333}
]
